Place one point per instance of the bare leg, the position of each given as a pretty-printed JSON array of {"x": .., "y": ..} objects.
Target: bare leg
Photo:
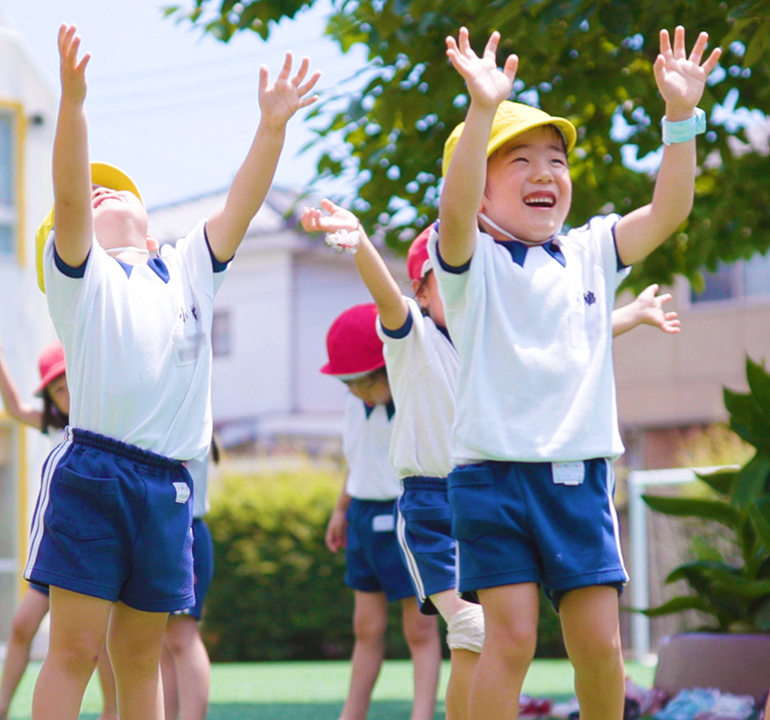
[
  {"x": 134, "y": 642},
  {"x": 170, "y": 682},
  {"x": 463, "y": 661},
  {"x": 78, "y": 628},
  {"x": 422, "y": 637},
  {"x": 370, "y": 621},
  {"x": 25, "y": 623},
  {"x": 107, "y": 683},
  {"x": 591, "y": 625},
  {"x": 510, "y": 616},
  {"x": 193, "y": 668}
]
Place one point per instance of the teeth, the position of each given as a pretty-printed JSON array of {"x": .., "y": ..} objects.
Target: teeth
[{"x": 540, "y": 203}]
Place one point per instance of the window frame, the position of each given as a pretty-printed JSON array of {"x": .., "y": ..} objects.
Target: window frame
[{"x": 18, "y": 135}]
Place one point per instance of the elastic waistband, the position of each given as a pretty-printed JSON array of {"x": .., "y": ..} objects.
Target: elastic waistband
[
  {"x": 131, "y": 452},
  {"x": 420, "y": 482}
]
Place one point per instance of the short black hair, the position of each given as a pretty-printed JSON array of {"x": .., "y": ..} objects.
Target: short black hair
[{"x": 52, "y": 416}]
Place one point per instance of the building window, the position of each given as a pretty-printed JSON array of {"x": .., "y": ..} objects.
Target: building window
[
  {"x": 738, "y": 280},
  {"x": 221, "y": 336},
  {"x": 8, "y": 174}
]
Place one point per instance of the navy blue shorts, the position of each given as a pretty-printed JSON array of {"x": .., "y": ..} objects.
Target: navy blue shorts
[
  {"x": 424, "y": 530},
  {"x": 372, "y": 558},
  {"x": 42, "y": 589},
  {"x": 113, "y": 521},
  {"x": 520, "y": 522},
  {"x": 203, "y": 567}
]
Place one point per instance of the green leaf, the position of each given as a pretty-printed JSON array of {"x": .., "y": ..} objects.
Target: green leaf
[
  {"x": 705, "y": 551},
  {"x": 759, "y": 512},
  {"x": 718, "y": 510},
  {"x": 747, "y": 419},
  {"x": 677, "y": 604},
  {"x": 722, "y": 480},
  {"x": 752, "y": 480},
  {"x": 759, "y": 383}
]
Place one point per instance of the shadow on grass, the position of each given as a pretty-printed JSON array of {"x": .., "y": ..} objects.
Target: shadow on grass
[{"x": 380, "y": 710}]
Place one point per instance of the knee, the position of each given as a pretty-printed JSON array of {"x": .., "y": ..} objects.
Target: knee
[
  {"x": 78, "y": 659},
  {"x": 178, "y": 638},
  {"x": 421, "y": 630},
  {"x": 23, "y": 628},
  {"x": 601, "y": 654},
  {"x": 369, "y": 628},
  {"x": 465, "y": 629},
  {"x": 513, "y": 644}
]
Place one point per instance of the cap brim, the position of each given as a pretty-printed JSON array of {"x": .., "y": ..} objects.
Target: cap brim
[{"x": 565, "y": 127}]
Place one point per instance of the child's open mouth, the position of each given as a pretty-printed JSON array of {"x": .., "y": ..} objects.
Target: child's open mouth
[{"x": 540, "y": 200}]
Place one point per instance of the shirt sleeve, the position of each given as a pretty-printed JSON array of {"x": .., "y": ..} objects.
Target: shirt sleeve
[
  {"x": 69, "y": 288},
  {"x": 205, "y": 272}
]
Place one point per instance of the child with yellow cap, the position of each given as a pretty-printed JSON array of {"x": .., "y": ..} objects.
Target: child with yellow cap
[
  {"x": 528, "y": 307},
  {"x": 111, "y": 533}
]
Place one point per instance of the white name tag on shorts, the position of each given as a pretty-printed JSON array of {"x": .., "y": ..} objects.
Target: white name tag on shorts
[
  {"x": 568, "y": 473},
  {"x": 182, "y": 492},
  {"x": 383, "y": 523}
]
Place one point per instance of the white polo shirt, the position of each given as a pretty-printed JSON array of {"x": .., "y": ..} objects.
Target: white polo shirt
[
  {"x": 137, "y": 340},
  {"x": 422, "y": 371},
  {"x": 534, "y": 337},
  {"x": 366, "y": 436}
]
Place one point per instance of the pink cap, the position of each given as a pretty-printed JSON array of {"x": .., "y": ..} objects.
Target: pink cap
[
  {"x": 51, "y": 364},
  {"x": 418, "y": 262},
  {"x": 352, "y": 342}
]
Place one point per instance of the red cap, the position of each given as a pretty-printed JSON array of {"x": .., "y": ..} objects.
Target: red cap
[
  {"x": 51, "y": 364},
  {"x": 352, "y": 342},
  {"x": 418, "y": 262}
]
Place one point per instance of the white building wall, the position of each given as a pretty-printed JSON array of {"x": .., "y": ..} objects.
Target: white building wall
[
  {"x": 25, "y": 327},
  {"x": 254, "y": 379}
]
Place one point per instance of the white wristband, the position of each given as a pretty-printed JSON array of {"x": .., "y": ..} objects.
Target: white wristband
[
  {"x": 347, "y": 240},
  {"x": 679, "y": 132}
]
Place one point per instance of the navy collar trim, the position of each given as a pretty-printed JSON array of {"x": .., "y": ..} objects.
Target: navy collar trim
[
  {"x": 390, "y": 408},
  {"x": 155, "y": 264},
  {"x": 518, "y": 251}
]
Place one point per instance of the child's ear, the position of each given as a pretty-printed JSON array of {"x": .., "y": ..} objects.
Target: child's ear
[
  {"x": 418, "y": 288},
  {"x": 152, "y": 244}
]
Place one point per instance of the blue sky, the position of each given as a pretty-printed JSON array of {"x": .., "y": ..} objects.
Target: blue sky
[{"x": 175, "y": 109}]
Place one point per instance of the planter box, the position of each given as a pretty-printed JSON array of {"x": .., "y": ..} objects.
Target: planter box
[{"x": 738, "y": 664}]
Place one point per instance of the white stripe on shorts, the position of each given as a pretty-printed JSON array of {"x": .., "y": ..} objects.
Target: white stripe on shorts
[
  {"x": 614, "y": 514},
  {"x": 36, "y": 534},
  {"x": 411, "y": 562}
]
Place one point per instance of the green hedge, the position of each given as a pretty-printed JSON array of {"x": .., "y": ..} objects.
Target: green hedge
[{"x": 278, "y": 592}]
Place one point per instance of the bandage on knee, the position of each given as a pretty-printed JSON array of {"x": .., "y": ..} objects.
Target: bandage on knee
[{"x": 465, "y": 629}]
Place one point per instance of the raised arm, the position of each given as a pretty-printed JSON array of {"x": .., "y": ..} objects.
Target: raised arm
[
  {"x": 465, "y": 178},
  {"x": 646, "y": 309},
  {"x": 14, "y": 405},
  {"x": 384, "y": 290},
  {"x": 681, "y": 81},
  {"x": 73, "y": 222},
  {"x": 278, "y": 102}
]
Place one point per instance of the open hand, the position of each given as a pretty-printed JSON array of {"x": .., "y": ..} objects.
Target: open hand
[
  {"x": 73, "y": 73},
  {"x": 680, "y": 79},
  {"x": 285, "y": 96},
  {"x": 650, "y": 308},
  {"x": 314, "y": 220},
  {"x": 487, "y": 84}
]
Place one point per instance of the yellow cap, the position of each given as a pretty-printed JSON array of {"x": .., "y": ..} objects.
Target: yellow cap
[
  {"x": 102, "y": 174},
  {"x": 511, "y": 119}
]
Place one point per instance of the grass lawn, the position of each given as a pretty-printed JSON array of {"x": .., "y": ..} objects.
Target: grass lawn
[{"x": 316, "y": 690}]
